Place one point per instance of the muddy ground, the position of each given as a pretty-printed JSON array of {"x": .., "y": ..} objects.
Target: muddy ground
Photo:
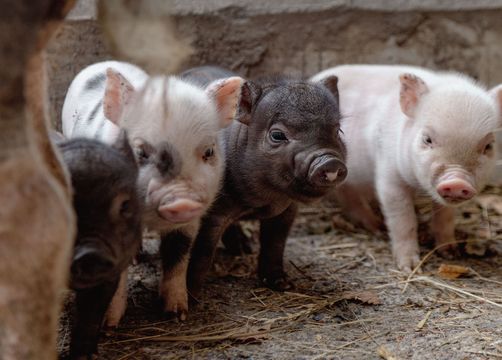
[{"x": 350, "y": 302}]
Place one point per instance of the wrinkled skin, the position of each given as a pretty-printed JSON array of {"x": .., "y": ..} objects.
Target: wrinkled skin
[
  {"x": 108, "y": 210},
  {"x": 412, "y": 131},
  {"x": 173, "y": 127},
  {"x": 284, "y": 149}
]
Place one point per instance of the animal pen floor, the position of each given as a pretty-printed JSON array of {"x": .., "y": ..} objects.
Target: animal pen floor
[{"x": 350, "y": 302}]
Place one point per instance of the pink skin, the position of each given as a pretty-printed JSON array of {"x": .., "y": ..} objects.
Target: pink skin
[
  {"x": 409, "y": 130},
  {"x": 456, "y": 186},
  {"x": 181, "y": 211},
  {"x": 174, "y": 204}
]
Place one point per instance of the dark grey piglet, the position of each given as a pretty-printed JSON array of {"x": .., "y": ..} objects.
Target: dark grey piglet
[
  {"x": 285, "y": 149},
  {"x": 108, "y": 212}
]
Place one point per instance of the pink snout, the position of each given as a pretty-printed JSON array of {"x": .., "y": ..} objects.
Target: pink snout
[
  {"x": 181, "y": 210},
  {"x": 456, "y": 190}
]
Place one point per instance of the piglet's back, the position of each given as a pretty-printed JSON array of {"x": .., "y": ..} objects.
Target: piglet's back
[{"x": 83, "y": 113}]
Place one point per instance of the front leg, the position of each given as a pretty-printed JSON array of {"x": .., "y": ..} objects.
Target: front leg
[
  {"x": 443, "y": 230},
  {"x": 396, "y": 200},
  {"x": 90, "y": 308},
  {"x": 118, "y": 304},
  {"x": 273, "y": 235},
  {"x": 175, "y": 253}
]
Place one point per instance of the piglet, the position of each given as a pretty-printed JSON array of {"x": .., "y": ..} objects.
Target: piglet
[
  {"x": 285, "y": 149},
  {"x": 173, "y": 127},
  {"x": 108, "y": 209},
  {"x": 412, "y": 131}
]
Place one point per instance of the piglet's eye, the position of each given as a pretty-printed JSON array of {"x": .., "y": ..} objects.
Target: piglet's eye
[
  {"x": 142, "y": 154},
  {"x": 488, "y": 148},
  {"x": 125, "y": 208},
  {"x": 278, "y": 136},
  {"x": 122, "y": 207},
  {"x": 427, "y": 140},
  {"x": 208, "y": 154}
]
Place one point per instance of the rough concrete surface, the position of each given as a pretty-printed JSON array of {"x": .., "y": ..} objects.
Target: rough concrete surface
[
  {"x": 303, "y": 42},
  {"x": 302, "y": 38}
]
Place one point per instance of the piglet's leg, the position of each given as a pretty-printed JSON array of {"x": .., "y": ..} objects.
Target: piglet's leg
[
  {"x": 358, "y": 209},
  {"x": 203, "y": 252},
  {"x": 397, "y": 206},
  {"x": 273, "y": 235},
  {"x": 443, "y": 230},
  {"x": 118, "y": 304},
  {"x": 91, "y": 305},
  {"x": 175, "y": 252}
]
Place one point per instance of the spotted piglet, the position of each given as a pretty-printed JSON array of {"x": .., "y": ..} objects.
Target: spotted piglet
[{"x": 173, "y": 128}]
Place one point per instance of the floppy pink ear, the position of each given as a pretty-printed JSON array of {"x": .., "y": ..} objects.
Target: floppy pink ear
[
  {"x": 496, "y": 92},
  {"x": 412, "y": 88},
  {"x": 226, "y": 93},
  {"x": 118, "y": 93}
]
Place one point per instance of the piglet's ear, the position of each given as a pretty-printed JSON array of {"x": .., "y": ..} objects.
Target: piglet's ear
[
  {"x": 118, "y": 94},
  {"x": 226, "y": 93},
  {"x": 123, "y": 146},
  {"x": 412, "y": 88},
  {"x": 496, "y": 92},
  {"x": 251, "y": 92},
  {"x": 331, "y": 83}
]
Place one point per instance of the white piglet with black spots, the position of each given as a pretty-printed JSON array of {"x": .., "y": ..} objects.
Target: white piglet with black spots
[
  {"x": 412, "y": 131},
  {"x": 173, "y": 128}
]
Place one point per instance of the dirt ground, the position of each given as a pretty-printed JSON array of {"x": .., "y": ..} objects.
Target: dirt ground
[{"x": 350, "y": 302}]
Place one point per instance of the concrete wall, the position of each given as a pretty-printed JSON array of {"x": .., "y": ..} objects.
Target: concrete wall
[{"x": 255, "y": 37}]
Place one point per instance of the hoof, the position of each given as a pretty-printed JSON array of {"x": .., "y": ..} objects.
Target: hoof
[{"x": 280, "y": 283}]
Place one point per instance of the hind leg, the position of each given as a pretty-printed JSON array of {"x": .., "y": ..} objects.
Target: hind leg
[
  {"x": 235, "y": 240},
  {"x": 358, "y": 208}
]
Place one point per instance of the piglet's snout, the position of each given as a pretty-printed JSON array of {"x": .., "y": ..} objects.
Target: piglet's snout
[
  {"x": 91, "y": 264},
  {"x": 456, "y": 186},
  {"x": 326, "y": 170},
  {"x": 181, "y": 210}
]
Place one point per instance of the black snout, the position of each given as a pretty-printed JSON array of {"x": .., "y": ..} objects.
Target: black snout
[
  {"x": 326, "y": 170},
  {"x": 91, "y": 265}
]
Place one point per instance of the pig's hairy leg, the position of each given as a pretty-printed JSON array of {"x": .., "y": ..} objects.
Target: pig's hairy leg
[
  {"x": 118, "y": 303},
  {"x": 358, "y": 209},
  {"x": 398, "y": 208},
  {"x": 203, "y": 251},
  {"x": 175, "y": 253},
  {"x": 235, "y": 241},
  {"x": 91, "y": 305},
  {"x": 273, "y": 235},
  {"x": 443, "y": 230}
]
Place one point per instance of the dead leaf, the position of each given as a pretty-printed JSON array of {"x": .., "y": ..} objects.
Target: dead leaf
[
  {"x": 452, "y": 271},
  {"x": 367, "y": 297},
  {"x": 384, "y": 353}
]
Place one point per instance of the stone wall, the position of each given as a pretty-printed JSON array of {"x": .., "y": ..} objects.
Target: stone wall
[{"x": 263, "y": 37}]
